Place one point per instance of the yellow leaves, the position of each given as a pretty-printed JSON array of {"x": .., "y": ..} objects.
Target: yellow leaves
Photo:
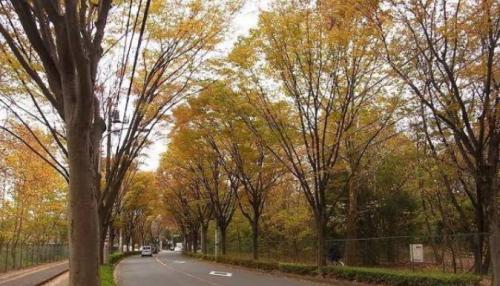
[
  {"x": 243, "y": 55},
  {"x": 157, "y": 6},
  {"x": 36, "y": 193}
]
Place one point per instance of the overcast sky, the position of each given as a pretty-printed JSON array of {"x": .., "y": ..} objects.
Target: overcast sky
[{"x": 241, "y": 24}]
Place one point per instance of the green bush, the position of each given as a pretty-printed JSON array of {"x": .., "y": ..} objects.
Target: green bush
[
  {"x": 117, "y": 256},
  {"x": 257, "y": 264},
  {"x": 301, "y": 269},
  {"x": 400, "y": 278},
  {"x": 360, "y": 274}
]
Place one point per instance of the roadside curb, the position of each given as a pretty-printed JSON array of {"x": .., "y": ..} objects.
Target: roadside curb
[
  {"x": 115, "y": 271},
  {"x": 52, "y": 278}
]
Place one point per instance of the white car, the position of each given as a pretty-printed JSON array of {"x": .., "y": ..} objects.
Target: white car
[
  {"x": 147, "y": 251},
  {"x": 178, "y": 247}
]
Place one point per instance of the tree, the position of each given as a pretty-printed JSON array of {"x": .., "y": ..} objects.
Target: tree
[
  {"x": 224, "y": 118},
  {"x": 446, "y": 53},
  {"x": 141, "y": 205},
  {"x": 147, "y": 81},
  {"x": 32, "y": 198},
  {"x": 66, "y": 42},
  {"x": 180, "y": 36},
  {"x": 322, "y": 58}
]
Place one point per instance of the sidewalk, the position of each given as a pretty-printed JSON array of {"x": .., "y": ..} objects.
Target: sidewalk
[{"x": 34, "y": 275}]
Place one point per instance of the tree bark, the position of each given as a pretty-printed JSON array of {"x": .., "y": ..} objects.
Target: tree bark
[
  {"x": 351, "y": 245},
  {"x": 255, "y": 239},
  {"x": 222, "y": 239},
  {"x": 121, "y": 239},
  {"x": 83, "y": 221},
  {"x": 321, "y": 241},
  {"x": 102, "y": 238},
  {"x": 194, "y": 238},
  {"x": 204, "y": 238},
  {"x": 495, "y": 248}
]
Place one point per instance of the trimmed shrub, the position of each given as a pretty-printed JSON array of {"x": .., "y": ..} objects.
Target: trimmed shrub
[
  {"x": 117, "y": 256},
  {"x": 401, "y": 278},
  {"x": 360, "y": 274},
  {"x": 301, "y": 269}
]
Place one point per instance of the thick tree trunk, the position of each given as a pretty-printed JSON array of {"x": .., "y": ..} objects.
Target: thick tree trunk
[
  {"x": 255, "y": 239},
  {"x": 483, "y": 190},
  {"x": 351, "y": 245},
  {"x": 112, "y": 237},
  {"x": 321, "y": 241},
  {"x": 495, "y": 249},
  {"x": 83, "y": 221},
  {"x": 204, "y": 238},
  {"x": 222, "y": 240},
  {"x": 194, "y": 236},
  {"x": 120, "y": 240},
  {"x": 102, "y": 239}
]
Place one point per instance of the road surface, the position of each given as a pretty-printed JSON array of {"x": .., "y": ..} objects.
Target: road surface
[
  {"x": 173, "y": 269},
  {"x": 33, "y": 276}
]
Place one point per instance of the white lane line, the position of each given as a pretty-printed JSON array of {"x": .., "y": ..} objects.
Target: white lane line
[
  {"x": 188, "y": 274},
  {"x": 221, "y": 273},
  {"x": 179, "y": 261}
]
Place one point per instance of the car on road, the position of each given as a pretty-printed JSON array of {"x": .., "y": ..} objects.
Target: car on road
[
  {"x": 178, "y": 247},
  {"x": 147, "y": 250}
]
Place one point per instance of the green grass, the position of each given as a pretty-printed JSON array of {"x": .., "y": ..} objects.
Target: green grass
[
  {"x": 106, "y": 273},
  {"x": 106, "y": 270}
]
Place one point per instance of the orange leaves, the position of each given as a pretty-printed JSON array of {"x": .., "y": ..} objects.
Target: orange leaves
[{"x": 32, "y": 191}]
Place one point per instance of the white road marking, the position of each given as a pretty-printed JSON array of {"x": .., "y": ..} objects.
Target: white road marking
[
  {"x": 179, "y": 261},
  {"x": 220, "y": 273},
  {"x": 187, "y": 274}
]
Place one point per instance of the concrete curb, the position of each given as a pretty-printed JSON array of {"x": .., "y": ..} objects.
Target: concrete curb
[
  {"x": 52, "y": 278},
  {"x": 115, "y": 270}
]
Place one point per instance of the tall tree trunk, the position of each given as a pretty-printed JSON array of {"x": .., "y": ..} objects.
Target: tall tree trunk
[
  {"x": 102, "y": 239},
  {"x": 194, "y": 236},
  {"x": 112, "y": 237},
  {"x": 351, "y": 245},
  {"x": 255, "y": 239},
  {"x": 482, "y": 188},
  {"x": 321, "y": 240},
  {"x": 495, "y": 248},
  {"x": 83, "y": 221},
  {"x": 204, "y": 238},
  {"x": 222, "y": 239},
  {"x": 120, "y": 239}
]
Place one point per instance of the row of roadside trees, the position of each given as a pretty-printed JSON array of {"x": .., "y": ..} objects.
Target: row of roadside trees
[
  {"x": 309, "y": 92},
  {"x": 316, "y": 87}
]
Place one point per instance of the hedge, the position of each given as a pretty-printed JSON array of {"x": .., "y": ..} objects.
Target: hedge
[
  {"x": 360, "y": 274},
  {"x": 403, "y": 278},
  {"x": 117, "y": 256}
]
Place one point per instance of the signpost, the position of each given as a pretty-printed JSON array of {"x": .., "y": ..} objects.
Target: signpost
[{"x": 416, "y": 254}]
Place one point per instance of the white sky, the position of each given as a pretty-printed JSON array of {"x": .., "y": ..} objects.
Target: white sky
[{"x": 243, "y": 21}]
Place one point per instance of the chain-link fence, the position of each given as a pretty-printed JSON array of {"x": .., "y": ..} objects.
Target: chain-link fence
[
  {"x": 448, "y": 253},
  {"x": 24, "y": 255}
]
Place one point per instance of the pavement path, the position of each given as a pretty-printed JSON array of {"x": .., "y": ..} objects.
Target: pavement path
[
  {"x": 33, "y": 276},
  {"x": 173, "y": 269}
]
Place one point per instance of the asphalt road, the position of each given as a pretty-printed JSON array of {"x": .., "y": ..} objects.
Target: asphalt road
[
  {"x": 173, "y": 269},
  {"x": 33, "y": 276}
]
